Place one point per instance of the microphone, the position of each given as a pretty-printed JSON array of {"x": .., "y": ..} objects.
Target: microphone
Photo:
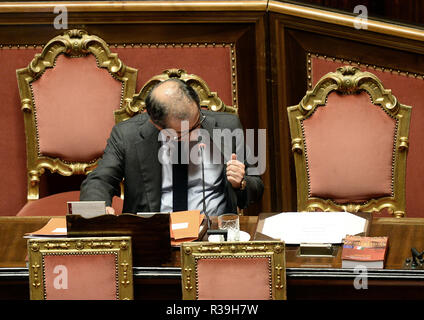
[
  {"x": 415, "y": 253},
  {"x": 202, "y": 152}
]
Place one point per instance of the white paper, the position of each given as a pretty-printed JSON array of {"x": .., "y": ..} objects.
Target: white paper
[
  {"x": 313, "y": 227},
  {"x": 87, "y": 209},
  {"x": 178, "y": 226}
]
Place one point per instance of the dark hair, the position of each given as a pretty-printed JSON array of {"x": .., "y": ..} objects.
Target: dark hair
[{"x": 158, "y": 110}]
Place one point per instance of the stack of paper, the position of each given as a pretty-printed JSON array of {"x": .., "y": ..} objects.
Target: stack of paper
[{"x": 312, "y": 227}]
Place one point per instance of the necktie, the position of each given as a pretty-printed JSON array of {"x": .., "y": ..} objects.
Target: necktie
[{"x": 180, "y": 180}]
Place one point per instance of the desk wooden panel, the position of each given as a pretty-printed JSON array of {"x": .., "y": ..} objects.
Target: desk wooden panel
[
  {"x": 403, "y": 235},
  {"x": 12, "y": 244},
  {"x": 307, "y": 278}
]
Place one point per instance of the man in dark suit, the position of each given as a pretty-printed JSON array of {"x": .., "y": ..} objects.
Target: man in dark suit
[{"x": 140, "y": 148}]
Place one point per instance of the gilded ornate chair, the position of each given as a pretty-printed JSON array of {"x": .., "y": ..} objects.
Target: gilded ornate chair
[
  {"x": 350, "y": 141},
  {"x": 233, "y": 270},
  {"x": 72, "y": 93},
  {"x": 80, "y": 269},
  {"x": 208, "y": 100}
]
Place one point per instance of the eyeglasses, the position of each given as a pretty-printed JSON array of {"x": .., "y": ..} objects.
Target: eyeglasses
[{"x": 181, "y": 134}]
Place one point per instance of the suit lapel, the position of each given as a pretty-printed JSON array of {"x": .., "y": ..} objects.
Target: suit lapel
[
  {"x": 225, "y": 148},
  {"x": 147, "y": 151},
  {"x": 209, "y": 124}
]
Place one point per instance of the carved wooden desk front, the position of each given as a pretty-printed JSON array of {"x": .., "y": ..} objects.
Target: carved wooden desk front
[{"x": 307, "y": 278}]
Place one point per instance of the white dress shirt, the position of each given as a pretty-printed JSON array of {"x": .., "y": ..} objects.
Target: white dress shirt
[{"x": 213, "y": 173}]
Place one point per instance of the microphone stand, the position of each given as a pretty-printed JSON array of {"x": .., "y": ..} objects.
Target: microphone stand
[
  {"x": 202, "y": 147},
  {"x": 209, "y": 231}
]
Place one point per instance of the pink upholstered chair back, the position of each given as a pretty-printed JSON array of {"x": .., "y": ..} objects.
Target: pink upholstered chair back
[
  {"x": 349, "y": 144},
  {"x": 80, "y": 277},
  {"x": 74, "y": 103},
  {"x": 349, "y": 138},
  {"x": 234, "y": 278},
  {"x": 233, "y": 271},
  {"x": 70, "y": 95},
  {"x": 81, "y": 269}
]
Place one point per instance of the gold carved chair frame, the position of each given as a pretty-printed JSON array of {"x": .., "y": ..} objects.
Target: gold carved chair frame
[
  {"x": 208, "y": 99},
  {"x": 73, "y": 43},
  {"x": 350, "y": 80},
  {"x": 191, "y": 252},
  {"x": 118, "y": 246}
]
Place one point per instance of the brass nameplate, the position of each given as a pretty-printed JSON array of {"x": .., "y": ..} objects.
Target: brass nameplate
[{"x": 317, "y": 250}]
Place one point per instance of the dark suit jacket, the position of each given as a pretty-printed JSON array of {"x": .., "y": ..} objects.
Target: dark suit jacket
[{"x": 132, "y": 153}]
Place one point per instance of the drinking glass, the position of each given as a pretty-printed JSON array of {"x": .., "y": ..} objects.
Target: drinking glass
[{"x": 231, "y": 223}]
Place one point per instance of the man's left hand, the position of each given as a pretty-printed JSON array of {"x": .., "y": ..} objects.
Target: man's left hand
[{"x": 235, "y": 171}]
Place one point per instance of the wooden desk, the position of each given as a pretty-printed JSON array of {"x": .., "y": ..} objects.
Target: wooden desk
[{"x": 307, "y": 278}]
